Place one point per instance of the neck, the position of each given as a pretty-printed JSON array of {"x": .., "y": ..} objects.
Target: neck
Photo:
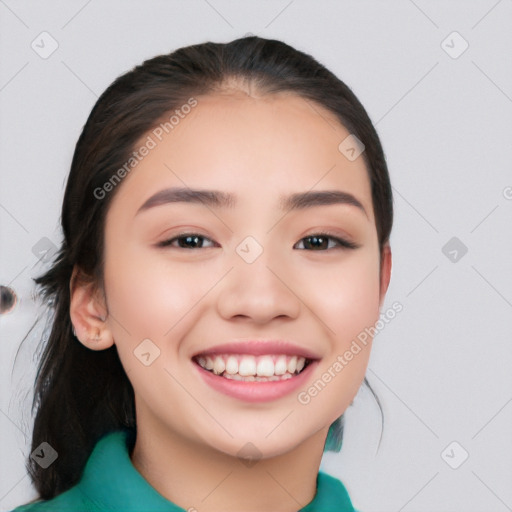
[{"x": 197, "y": 477}]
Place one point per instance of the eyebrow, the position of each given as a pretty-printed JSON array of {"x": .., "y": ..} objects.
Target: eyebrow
[{"x": 219, "y": 199}]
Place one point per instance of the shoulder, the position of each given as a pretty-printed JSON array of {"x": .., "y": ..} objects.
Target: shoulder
[
  {"x": 72, "y": 500},
  {"x": 331, "y": 496},
  {"x": 86, "y": 495},
  {"x": 329, "y": 485}
]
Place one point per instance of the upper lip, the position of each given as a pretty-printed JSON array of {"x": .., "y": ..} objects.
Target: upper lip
[{"x": 258, "y": 348}]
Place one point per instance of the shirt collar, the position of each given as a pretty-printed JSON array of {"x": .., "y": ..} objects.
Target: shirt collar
[{"x": 112, "y": 483}]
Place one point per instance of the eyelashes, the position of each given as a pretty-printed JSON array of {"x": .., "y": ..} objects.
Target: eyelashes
[
  {"x": 191, "y": 237},
  {"x": 314, "y": 240},
  {"x": 321, "y": 237}
]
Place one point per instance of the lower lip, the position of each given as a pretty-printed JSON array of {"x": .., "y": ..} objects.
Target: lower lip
[{"x": 256, "y": 391}]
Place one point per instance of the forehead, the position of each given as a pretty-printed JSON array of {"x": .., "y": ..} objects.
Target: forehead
[{"x": 264, "y": 145}]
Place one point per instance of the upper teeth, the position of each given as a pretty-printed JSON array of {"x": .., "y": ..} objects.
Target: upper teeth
[{"x": 246, "y": 365}]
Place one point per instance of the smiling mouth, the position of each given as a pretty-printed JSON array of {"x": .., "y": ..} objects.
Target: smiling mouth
[{"x": 249, "y": 368}]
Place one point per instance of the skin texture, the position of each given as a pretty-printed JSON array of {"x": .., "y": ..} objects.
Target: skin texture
[{"x": 188, "y": 300}]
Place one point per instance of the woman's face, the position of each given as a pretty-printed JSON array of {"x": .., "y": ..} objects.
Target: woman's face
[{"x": 248, "y": 271}]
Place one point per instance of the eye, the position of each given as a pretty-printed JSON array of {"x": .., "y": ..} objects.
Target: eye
[
  {"x": 319, "y": 241},
  {"x": 185, "y": 241}
]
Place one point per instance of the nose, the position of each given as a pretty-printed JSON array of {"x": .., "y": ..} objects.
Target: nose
[{"x": 259, "y": 291}]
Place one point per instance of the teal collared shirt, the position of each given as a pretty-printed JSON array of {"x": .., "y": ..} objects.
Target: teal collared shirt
[{"x": 111, "y": 483}]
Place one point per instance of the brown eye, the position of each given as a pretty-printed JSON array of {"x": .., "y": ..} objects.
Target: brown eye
[
  {"x": 320, "y": 241},
  {"x": 185, "y": 241}
]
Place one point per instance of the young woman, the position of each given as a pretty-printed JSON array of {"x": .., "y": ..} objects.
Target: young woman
[{"x": 226, "y": 231}]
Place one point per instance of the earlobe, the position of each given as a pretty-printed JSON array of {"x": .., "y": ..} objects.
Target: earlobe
[
  {"x": 385, "y": 272},
  {"x": 88, "y": 313}
]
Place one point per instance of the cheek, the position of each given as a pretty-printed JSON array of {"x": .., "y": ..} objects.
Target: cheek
[
  {"x": 149, "y": 299},
  {"x": 346, "y": 300},
  {"x": 146, "y": 292},
  {"x": 346, "y": 295}
]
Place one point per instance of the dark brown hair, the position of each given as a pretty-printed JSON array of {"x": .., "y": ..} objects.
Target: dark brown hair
[{"x": 81, "y": 394}]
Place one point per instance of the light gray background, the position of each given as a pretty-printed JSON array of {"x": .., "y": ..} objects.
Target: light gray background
[{"x": 442, "y": 367}]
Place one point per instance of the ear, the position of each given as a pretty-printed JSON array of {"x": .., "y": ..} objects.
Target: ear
[
  {"x": 385, "y": 272},
  {"x": 88, "y": 313}
]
